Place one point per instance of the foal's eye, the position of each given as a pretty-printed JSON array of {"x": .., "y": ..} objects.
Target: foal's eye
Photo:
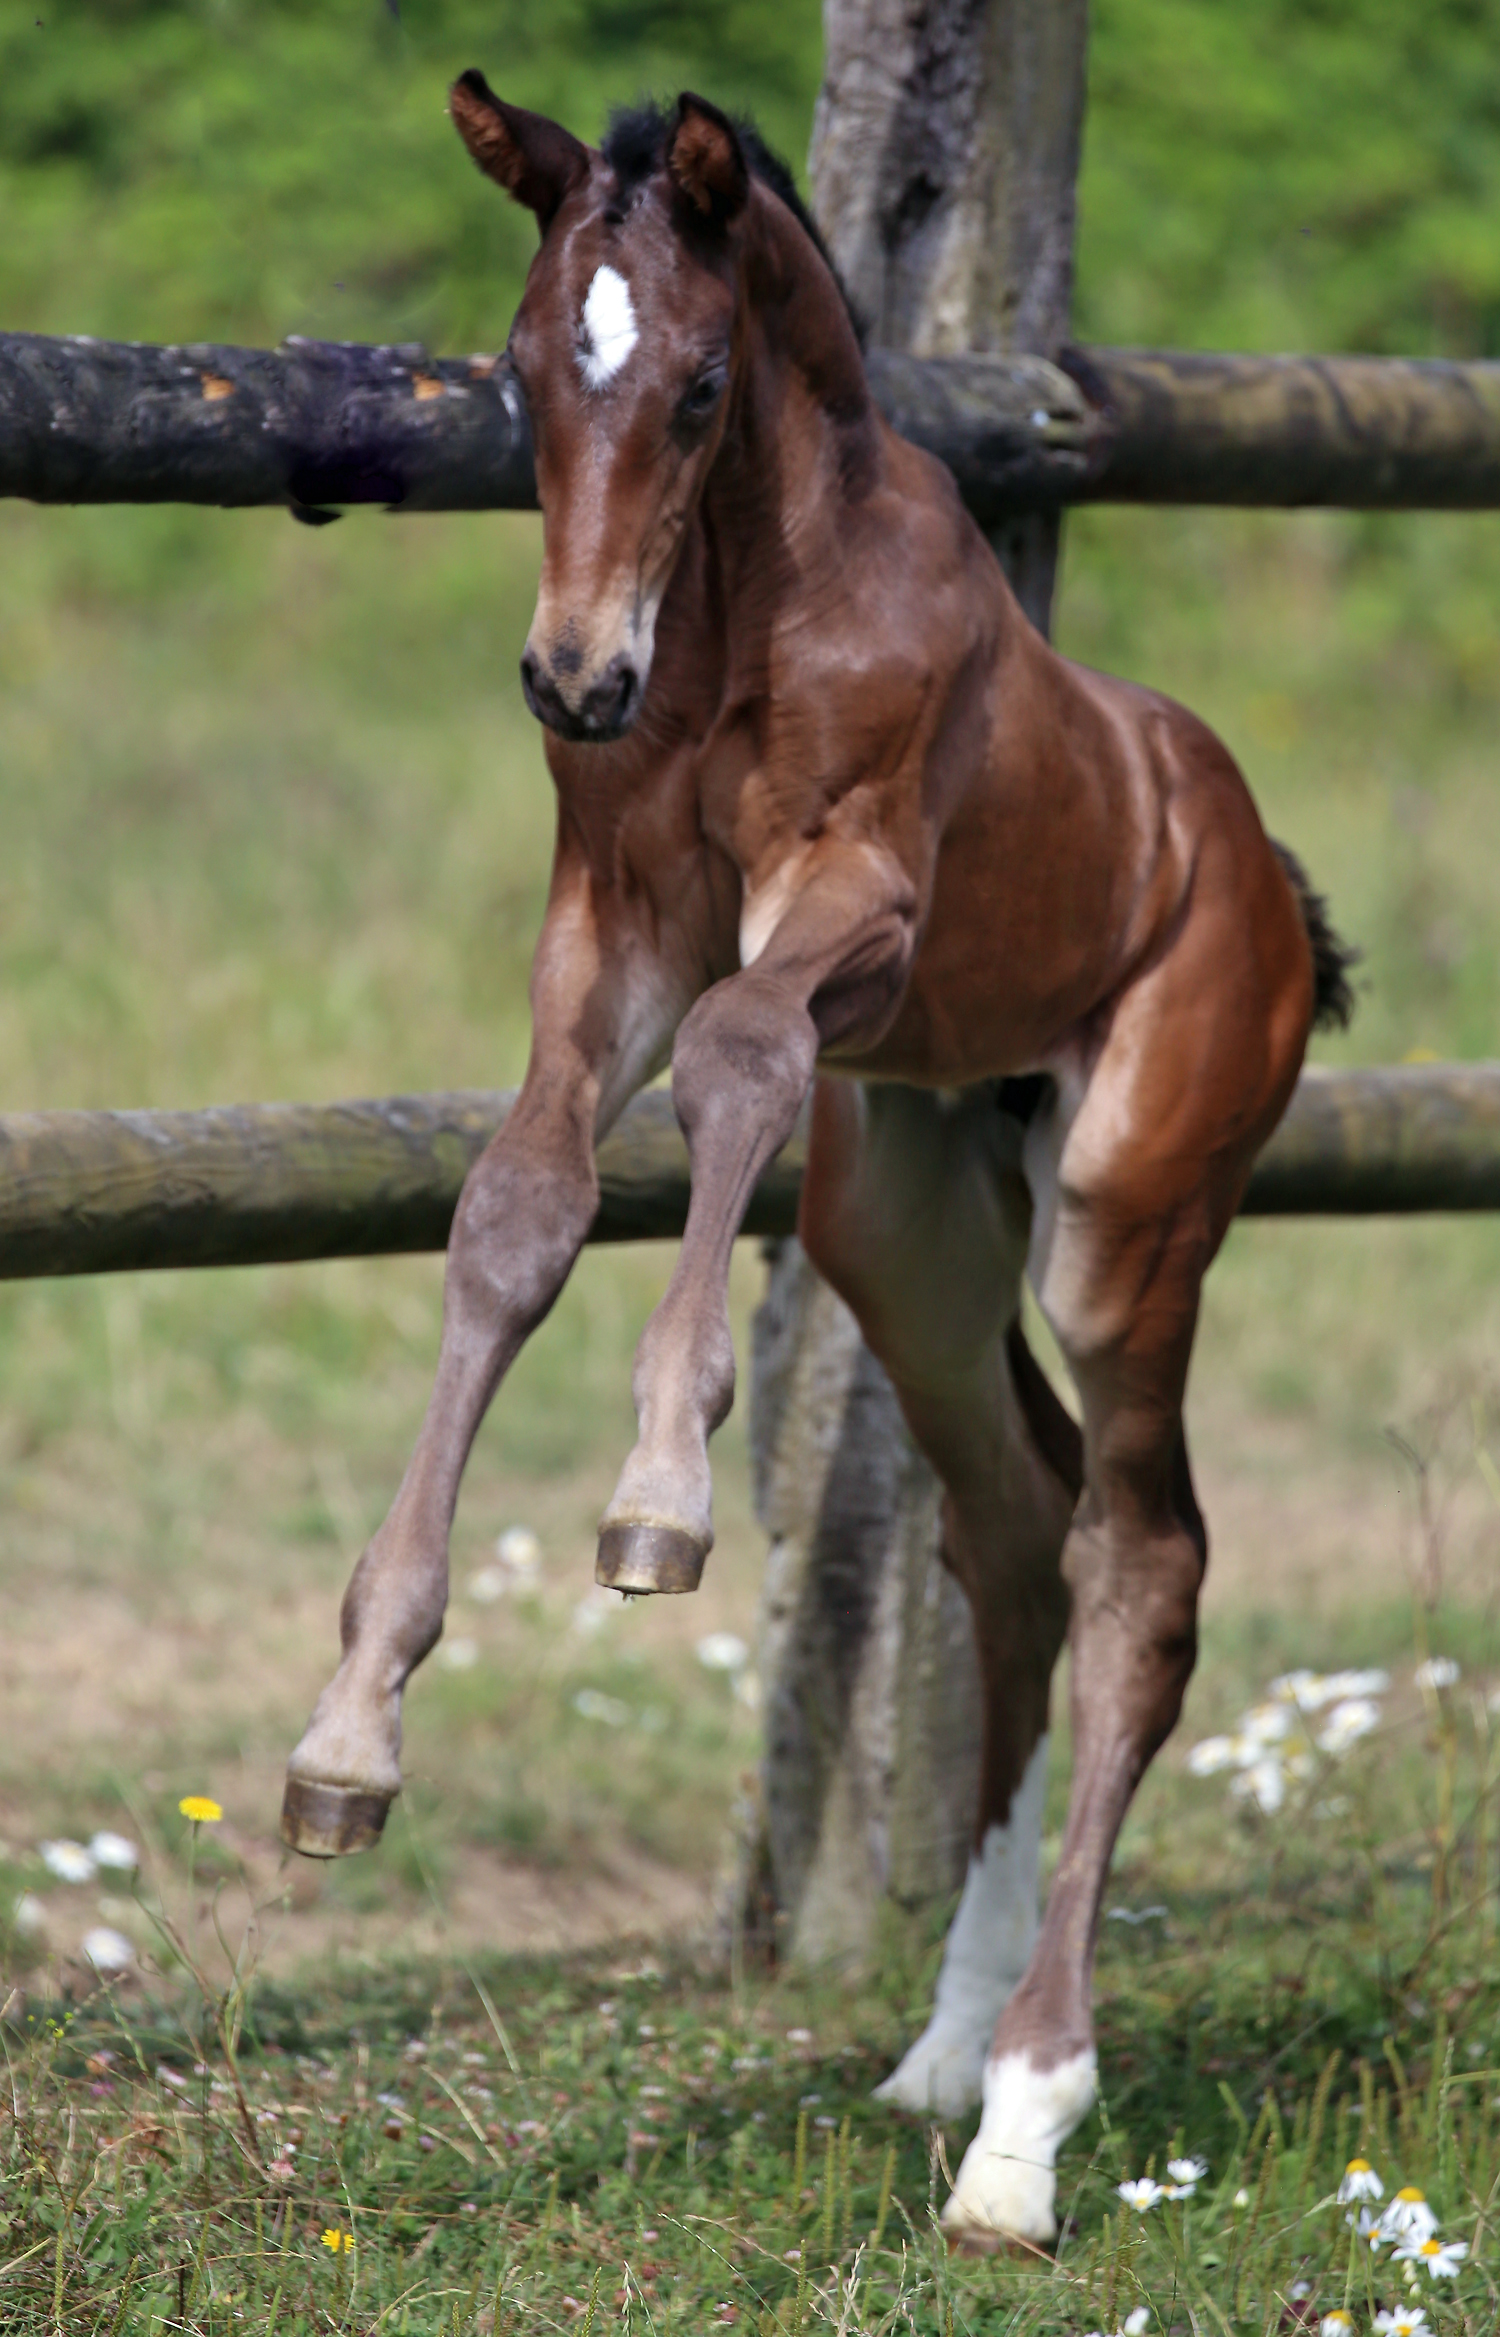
[{"x": 701, "y": 397}]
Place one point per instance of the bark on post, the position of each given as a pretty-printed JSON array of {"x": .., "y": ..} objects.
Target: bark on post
[{"x": 945, "y": 152}]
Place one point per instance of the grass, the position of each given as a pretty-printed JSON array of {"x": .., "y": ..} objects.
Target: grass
[{"x": 510, "y": 2144}]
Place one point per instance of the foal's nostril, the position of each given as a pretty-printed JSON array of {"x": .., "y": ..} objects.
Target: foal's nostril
[{"x": 605, "y": 710}]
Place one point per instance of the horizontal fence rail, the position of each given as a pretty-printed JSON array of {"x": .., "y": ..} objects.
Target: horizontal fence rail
[
  {"x": 317, "y": 424},
  {"x": 256, "y": 1184}
]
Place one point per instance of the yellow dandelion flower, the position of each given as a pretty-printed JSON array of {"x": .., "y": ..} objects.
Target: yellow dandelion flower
[
  {"x": 337, "y": 2239},
  {"x": 201, "y": 1809}
]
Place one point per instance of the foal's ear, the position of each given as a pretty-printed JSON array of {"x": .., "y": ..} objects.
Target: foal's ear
[
  {"x": 536, "y": 161},
  {"x": 706, "y": 160}
]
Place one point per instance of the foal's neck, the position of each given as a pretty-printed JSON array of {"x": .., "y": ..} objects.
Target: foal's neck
[{"x": 802, "y": 440}]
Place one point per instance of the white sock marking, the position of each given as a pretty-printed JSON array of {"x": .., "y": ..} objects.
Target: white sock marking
[
  {"x": 989, "y": 1947},
  {"x": 1008, "y": 2180},
  {"x": 609, "y": 328}
]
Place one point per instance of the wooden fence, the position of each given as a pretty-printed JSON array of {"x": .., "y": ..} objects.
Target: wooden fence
[
  {"x": 251, "y": 1184},
  {"x": 314, "y": 426}
]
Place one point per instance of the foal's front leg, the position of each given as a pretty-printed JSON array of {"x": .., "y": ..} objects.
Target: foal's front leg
[
  {"x": 741, "y": 1069},
  {"x": 602, "y": 1010}
]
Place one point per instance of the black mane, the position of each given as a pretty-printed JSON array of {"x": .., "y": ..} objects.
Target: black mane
[{"x": 634, "y": 146}]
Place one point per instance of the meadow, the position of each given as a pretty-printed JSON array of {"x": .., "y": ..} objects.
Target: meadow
[{"x": 276, "y": 824}]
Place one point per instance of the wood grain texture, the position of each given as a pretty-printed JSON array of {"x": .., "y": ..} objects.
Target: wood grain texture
[
  {"x": 256, "y": 1184},
  {"x": 315, "y": 425}
]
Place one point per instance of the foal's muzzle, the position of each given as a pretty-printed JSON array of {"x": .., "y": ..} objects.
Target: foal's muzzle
[{"x": 606, "y": 709}]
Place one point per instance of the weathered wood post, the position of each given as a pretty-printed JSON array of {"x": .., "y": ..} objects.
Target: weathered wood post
[{"x": 944, "y": 159}]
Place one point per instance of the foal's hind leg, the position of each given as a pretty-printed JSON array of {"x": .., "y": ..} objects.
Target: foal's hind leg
[
  {"x": 916, "y": 1212},
  {"x": 1135, "y": 1186}
]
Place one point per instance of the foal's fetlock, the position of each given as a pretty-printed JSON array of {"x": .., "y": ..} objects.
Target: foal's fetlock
[{"x": 1007, "y": 2183}]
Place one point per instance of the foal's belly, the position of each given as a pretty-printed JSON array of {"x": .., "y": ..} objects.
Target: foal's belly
[{"x": 1010, "y": 963}]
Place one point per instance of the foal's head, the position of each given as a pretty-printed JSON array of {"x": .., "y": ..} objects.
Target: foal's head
[{"x": 624, "y": 344}]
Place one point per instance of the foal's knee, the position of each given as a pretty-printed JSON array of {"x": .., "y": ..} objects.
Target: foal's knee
[
  {"x": 518, "y": 1227},
  {"x": 748, "y": 1037}
]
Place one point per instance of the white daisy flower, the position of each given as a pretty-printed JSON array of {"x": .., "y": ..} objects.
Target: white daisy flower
[
  {"x": 1365, "y": 2225},
  {"x": 1336, "y": 2324},
  {"x": 1187, "y": 2173},
  {"x": 69, "y": 1861},
  {"x": 115, "y": 1851},
  {"x": 1360, "y": 2182},
  {"x": 1338, "y": 1685},
  {"x": 1132, "y": 2325},
  {"x": 1307, "y": 1690},
  {"x": 1211, "y": 1755},
  {"x": 1441, "y": 2257},
  {"x": 520, "y": 1553},
  {"x": 1407, "y": 2216},
  {"x": 1264, "y": 1784},
  {"x": 1405, "y": 2321},
  {"x": 722, "y": 1651},
  {"x": 1266, "y": 1724},
  {"x": 108, "y": 1950},
  {"x": 1439, "y": 1671},
  {"x": 459, "y": 1655},
  {"x": 29, "y": 1915},
  {"x": 1142, "y": 2193},
  {"x": 1354, "y": 1718}
]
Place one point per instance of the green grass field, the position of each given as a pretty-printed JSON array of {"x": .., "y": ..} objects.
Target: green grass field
[
  {"x": 275, "y": 824},
  {"x": 460, "y": 2144}
]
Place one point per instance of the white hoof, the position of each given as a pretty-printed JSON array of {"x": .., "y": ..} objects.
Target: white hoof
[
  {"x": 1019, "y": 2203},
  {"x": 989, "y": 1946},
  {"x": 942, "y": 2074},
  {"x": 1007, "y": 2185}
]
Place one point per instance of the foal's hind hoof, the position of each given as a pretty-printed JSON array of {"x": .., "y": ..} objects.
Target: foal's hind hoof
[
  {"x": 642, "y": 1558},
  {"x": 331, "y": 1821}
]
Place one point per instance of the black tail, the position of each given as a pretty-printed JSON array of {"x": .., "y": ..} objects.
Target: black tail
[{"x": 1333, "y": 997}]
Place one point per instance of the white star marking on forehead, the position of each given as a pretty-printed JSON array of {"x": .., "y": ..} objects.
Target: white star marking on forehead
[{"x": 609, "y": 328}]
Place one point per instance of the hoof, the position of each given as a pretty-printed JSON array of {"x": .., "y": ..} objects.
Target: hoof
[
  {"x": 645, "y": 1558},
  {"x": 975, "y": 2239},
  {"x": 1018, "y": 2215},
  {"x": 331, "y": 1821},
  {"x": 940, "y": 2076}
]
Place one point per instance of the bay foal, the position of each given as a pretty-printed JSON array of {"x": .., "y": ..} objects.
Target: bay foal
[{"x": 832, "y": 816}]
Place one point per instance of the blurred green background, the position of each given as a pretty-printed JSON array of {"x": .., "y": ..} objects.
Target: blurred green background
[{"x": 275, "y": 824}]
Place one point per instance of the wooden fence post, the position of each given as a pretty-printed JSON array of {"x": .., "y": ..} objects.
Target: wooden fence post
[{"x": 944, "y": 158}]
